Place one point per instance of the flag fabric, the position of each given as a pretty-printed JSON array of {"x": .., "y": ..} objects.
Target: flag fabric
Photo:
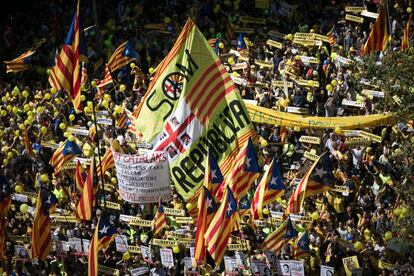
[
  {"x": 85, "y": 204},
  {"x": 276, "y": 240},
  {"x": 55, "y": 72},
  {"x": 315, "y": 181},
  {"x": 121, "y": 121},
  {"x": 405, "y": 42},
  {"x": 67, "y": 70},
  {"x": 193, "y": 105},
  {"x": 21, "y": 63},
  {"x": 269, "y": 189},
  {"x": 84, "y": 75},
  {"x": 290, "y": 230},
  {"x": 130, "y": 121},
  {"x": 41, "y": 230},
  {"x": 214, "y": 43},
  {"x": 331, "y": 35},
  {"x": 160, "y": 220},
  {"x": 26, "y": 142},
  {"x": 63, "y": 155},
  {"x": 103, "y": 236},
  {"x": 301, "y": 248},
  {"x": 107, "y": 162},
  {"x": 5, "y": 203},
  {"x": 92, "y": 131},
  {"x": 244, "y": 206},
  {"x": 229, "y": 31},
  {"x": 218, "y": 232},
  {"x": 78, "y": 177},
  {"x": 159, "y": 27},
  {"x": 123, "y": 55},
  {"x": 214, "y": 176},
  {"x": 380, "y": 33},
  {"x": 206, "y": 209},
  {"x": 105, "y": 81},
  {"x": 245, "y": 172},
  {"x": 241, "y": 44}
]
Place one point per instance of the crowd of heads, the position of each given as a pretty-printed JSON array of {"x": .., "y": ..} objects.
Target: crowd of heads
[{"x": 357, "y": 223}]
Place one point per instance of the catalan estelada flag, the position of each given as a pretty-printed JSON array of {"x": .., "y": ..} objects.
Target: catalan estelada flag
[
  {"x": 103, "y": 236},
  {"x": 218, "y": 232},
  {"x": 380, "y": 33},
  {"x": 41, "y": 230},
  {"x": 123, "y": 55},
  {"x": 405, "y": 42},
  {"x": 192, "y": 106},
  {"x": 276, "y": 240},
  {"x": 107, "y": 162},
  {"x": 21, "y": 63},
  {"x": 105, "y": 81},
  {"x": 245, "y": 171},
  {"x": 160, "y": 220},
  {"x": 206, "y": 207},
  {"x": 5, "y": 203},
  {"x": 85, "y": 204},
  {"x": 63, "y": 155},
  {"x": 66, "y": 73},
  {"x": 244, "y": 206},
  {"x": 130, "y": 121},
  {"x": 315, "y": 181},
  {"x": 79, "y": 181},
  {"x": 269, "y": 189},
  {"x": 241, "y": 44},
  {"x": 301, "y": 248}
]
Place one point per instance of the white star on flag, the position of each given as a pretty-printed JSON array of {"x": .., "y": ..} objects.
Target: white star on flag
[
  {"x": 69, "y": 149},
  {"x": 213, "y": 174},
  {"x": 48, "y": 201},
  {"x": 319, "y": 172},
  {"x": 248, "y": 162},
  {"x": 229, "y": 209},
  {"x": 244, "y": 203},
  {"x": 104, "y": 230},
  {"x": 288, "y": 233},
  {"x": 209, "y": 203},
  {"x": 273, "y": 180},
  {"x": 302, "y": 244}
]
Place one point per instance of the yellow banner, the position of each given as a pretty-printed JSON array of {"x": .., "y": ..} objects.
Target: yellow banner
[
  {"x": 354, "y": 18},
  {"x": 174, "y": 212},
  {"x": 274, "y": 43},
  {"x": 266, "y": 115},
  {"x": 193, "y": 105}
]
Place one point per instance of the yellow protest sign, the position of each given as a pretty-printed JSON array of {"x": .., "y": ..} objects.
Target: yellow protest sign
[
  {"x": 371, "y": 136},
  {"x": 243, "y": 30},
  {"x": 355, "y": 9},
  {"x": 310, "y": 156},
  {"x": 111, "y": 205},
  {"x": 174, "y": 212},
  {"x": 274, "y": 44},
  {"x": 304, "y": 35},
  {"x": 266, "y": 115},
  {"x": 237, "y": 247},
  {"x": 277, "y": 83},
  {"x": 184, "y": 220},
  {"x": 354, "y": 141},
  {"x": 310, "y": 139},
  {"x": 354, "y": 18},
  {"x": 252, "y": 20},
  {"x": 134, "y": 249},
  {"x": 140, "y": 222},
  {"x": 350, "y": 263},
  {"x": 263, "y": 63},
  {"x": 163, "y": 243},
  {"x": 108, "y": 270}
]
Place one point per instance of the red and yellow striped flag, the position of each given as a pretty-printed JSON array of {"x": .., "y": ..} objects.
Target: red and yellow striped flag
[
  {"x": 85, "y": 204},
  {"x": 103, "y": 236},
  {"x": 5, "y": 203},
  {"x": 276, "y": 240},
  {"x": 160, "y": 220},
  {"x": 380, "y": 33},
  {"x": 66, "y": 73},
  {"x": 27, "y": 144},
  {"x": 41, "y": 230},
  {"x": 269, "y": 189},
  {"x": 107, "y": 163},
  {"x": 218, "y": 233},
  {"x": 21, "y": 63},
  {"x": 405, "y": 42},
  {"x": 123, "y": 55},
  {"x": 78, "y": 177},
  {"x": 63, "y": 155}
]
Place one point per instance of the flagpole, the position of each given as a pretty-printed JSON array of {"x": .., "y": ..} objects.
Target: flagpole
[{"x": 99, "y": 151}]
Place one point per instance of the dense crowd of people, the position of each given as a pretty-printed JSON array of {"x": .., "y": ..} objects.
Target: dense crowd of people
[{"x": 358, "y": 222}]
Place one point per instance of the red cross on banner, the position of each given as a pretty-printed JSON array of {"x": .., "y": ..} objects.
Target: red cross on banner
[{"x": 172, "y": 136}]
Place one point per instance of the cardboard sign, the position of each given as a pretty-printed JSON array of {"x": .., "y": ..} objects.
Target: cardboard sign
[
  {"x": 239, "y": 81},
  {"x": 300, "y": 218},
  {"x": 241, "y": 260},
  {"x": 85, "y": 245},
  {"x": 354, "y": 18},
  {"x": 134, "y": 249},
  {"x": 277, "y": 83},
  {"x": 304, "y": 35},
  {"x": 20, "y": 251},
  {"x": 23, "y": 239},
  {"x": 350, "y": 263},
  {"x": 272, "y": 258},
  {"x": 230, "y": 264},
  {"x": 239, "y": 66},
  {"x": 341, "y": 189},
  {"x": 243, "y": 30},
  {"x": 283, "y": 267},
  {"x": 310, "y": 156},
  {"x": 63, "y": 218},
  {"x": 327, "y": 270},
  {"x": 146, "y": 252},
  {"x": 373, "y": 137},
  {"x": 140, "y": 271},
  {"x": 20, "y": 198},
  {"x": 275, "y": 44},
  {"x": 121, "y": 243},
  {"x": 236, "y": 247},
  {"x": 163, "y": 243},
  {"x": 174, "y": 212},
  {"x": 310, "y": 139},
  {"x": 252, "y": 20},
  {"x": 263, "y": 63},
  {"x": 260, "y": 268},
  {"x": 297, "y": 110},
  {"x": 372, "y": 93},
  {"x": 167, "y": 258},
  {"x": 184, "y": 220},
  {"x": 350, "y": 133},
  {"x": 306, "y": 59},
  {"x": 307, "y": 42},
  {"x": 104, "y": 121},
  {"x": 354, "y": 9},
  {"x": 369, "y": 14},
  {"x": 321, "y": 37},
  {"x": 308, "y": 83},
  {"x": 354, "y": 141},
  {"x": 111, "y": 205},
  {"x": 78, "y": 131},
  {"x": 353, "y": 103},
  {"x": 297, "y": 268},
  {"x": 108, "y": 270},
  {"x": 75, "y": 244}
]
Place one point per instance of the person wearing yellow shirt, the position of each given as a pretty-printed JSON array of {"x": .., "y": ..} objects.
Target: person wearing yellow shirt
[{"x": 177, "y": 203}]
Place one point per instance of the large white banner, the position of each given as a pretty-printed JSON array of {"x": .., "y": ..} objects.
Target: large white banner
[{"x": 143, "y": 178}]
